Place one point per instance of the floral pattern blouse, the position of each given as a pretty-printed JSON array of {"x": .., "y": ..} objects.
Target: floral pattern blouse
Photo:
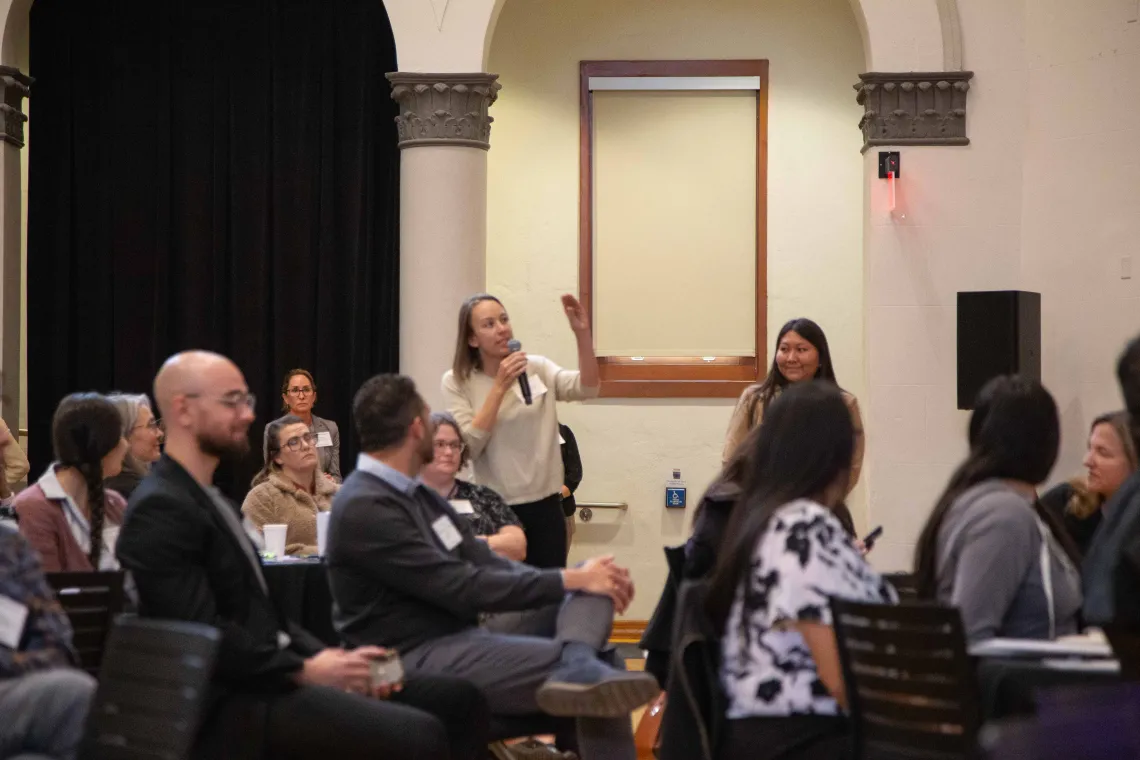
[{"x": 802, "y": 560}]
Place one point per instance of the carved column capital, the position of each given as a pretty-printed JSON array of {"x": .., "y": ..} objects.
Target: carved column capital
[
  {"x": 913, "y": 108},
  {"x": 16, "y": 86},
  {"x": 444, "y": 109}
]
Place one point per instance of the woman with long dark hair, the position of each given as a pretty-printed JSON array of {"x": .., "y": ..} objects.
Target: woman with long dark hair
[
  {"x": 68, "y": 515},
  {"x": 784, "y": 555},
  {"x": 801, "y": 354},
  {"x": 989, "y": 548},
  {"x": 512, "y": 442}
]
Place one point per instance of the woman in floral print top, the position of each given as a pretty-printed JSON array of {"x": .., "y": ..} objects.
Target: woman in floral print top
[
  {"x": 489, "y": 516},
  {"x": 785, "y": 555}
]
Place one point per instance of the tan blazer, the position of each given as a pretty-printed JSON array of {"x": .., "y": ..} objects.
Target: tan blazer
[
  {"x": 278, "y": 501},
  {"x": 740, "y": 425},
  {"x": 12, "y": 458}
]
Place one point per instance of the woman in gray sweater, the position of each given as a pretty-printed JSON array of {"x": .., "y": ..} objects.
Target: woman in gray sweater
[{"x": 989, "y": 548}]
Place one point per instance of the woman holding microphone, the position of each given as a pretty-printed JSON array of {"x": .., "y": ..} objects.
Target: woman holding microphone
[{"x": 511, "y": 426}]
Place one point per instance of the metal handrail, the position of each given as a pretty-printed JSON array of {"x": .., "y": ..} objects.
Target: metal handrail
[{"x": 586, "y": 508}]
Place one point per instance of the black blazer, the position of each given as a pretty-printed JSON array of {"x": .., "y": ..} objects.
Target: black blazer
[
  {"x": 188, "y": 565},
  {"x": 571, "y": 467}
]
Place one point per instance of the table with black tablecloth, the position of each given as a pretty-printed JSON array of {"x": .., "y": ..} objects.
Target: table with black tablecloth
[
  {"x": 1009, "y": 688},
  {"x": 300, "y": 588}
]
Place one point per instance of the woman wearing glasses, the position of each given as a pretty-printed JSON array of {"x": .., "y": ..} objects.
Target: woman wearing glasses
[
  {"x": 490, "y": 517},
  {"x": 299, "y": 394},
  {"x": 289, "y": 490},
  {"x": 143, "y": 431}
]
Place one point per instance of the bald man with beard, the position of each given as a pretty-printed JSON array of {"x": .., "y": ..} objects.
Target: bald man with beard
[{"x": 277, "y": 691}]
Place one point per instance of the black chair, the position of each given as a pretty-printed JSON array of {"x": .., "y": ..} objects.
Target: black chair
[
  {"x": 153, "y": 684},
  {"x": 693, "y": 723},
  {"x": 91, "y": 602},
  {"x": 911, "y": 689},
  {"x": 1125, "y": 641},
  {"x": 905, "y": 584}
]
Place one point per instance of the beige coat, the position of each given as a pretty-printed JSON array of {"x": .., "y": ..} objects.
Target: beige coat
[
  {"x": 277, "y": 501},
  {"x": 12, "y": 458},
  {"x": 740, "y": 425}
]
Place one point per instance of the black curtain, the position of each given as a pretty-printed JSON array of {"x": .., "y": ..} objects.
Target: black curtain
[{"x": 209, "y": 174}]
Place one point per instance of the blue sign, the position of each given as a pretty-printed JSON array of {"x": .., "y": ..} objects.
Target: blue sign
[{"x": 675, "y": 497}]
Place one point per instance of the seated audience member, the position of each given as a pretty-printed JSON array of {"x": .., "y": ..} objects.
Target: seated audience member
[
  {"x": 13, "y": 462},
  {"x": 784, "y": 555},
  {"x": 485, "y": 511},
  {"x": 299, "y": 396},
  {"x": 43, "y": 698},
  {"x": 69, "y": 504},
  {"x": 1111, "y": 460},
  {"x": 571, "y": 479},
  {"x": 290, "y": 490},
  {"x": 143, "y": 432},
  {"x": 1111, "y": 574},
  {"x": 277, "y": 692},
  {"x": 989, "y": 548},
  {"x": 407, "y": 572}
]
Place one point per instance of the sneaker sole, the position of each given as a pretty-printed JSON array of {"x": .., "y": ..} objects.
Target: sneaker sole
[{"x": 613, "y": 698}]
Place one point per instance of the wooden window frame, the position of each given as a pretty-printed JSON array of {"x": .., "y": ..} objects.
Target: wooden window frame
[{"x": 676, "y": 376}]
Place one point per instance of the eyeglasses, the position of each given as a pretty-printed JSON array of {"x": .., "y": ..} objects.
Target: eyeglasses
[
  {"x": 154, "y": 423},
  {"x": 455, "y": 446},
  {"x": 294, "y": 443},
  {"x": 305, "y": 391},
  {"x": 233, "y": 401}
]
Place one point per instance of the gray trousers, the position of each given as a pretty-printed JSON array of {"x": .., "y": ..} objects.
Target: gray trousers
[
  {"x": 516, "y": 652},
  {"x": 44, "y": 713}
]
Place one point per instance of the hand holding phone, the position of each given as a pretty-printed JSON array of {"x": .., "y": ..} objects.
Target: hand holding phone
[{"x": 870, "y": 539}]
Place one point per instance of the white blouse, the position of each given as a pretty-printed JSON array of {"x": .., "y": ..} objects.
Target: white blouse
[{"x": 521, "y": 457}]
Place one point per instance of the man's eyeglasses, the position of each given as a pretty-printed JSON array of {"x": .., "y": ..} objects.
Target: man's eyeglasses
[
  {"x": 305, "y": 391},
  {"x": 455, "y": 446},
  {"x": 233, "y": 401},
  {"x": 294, "y": 443}
]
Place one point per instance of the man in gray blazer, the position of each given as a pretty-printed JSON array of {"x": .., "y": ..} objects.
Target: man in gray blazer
[{"x": 408, "y": 573}]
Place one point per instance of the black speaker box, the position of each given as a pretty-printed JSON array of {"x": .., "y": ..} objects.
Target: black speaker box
[{"x": 999, "y": 333}]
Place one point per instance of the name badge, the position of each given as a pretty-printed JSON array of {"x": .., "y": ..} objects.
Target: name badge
[
  {"x": 462, "y": 506},
  {"x": 447, "y": 533},
  {"x": 324, "y": 438},
  {"x": 13, "y": 615}
]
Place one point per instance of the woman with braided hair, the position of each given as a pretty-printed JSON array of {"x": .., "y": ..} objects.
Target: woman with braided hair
[{"x": 68, "y": 506}]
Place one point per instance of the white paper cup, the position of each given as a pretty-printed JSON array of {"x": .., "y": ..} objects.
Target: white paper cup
[
  {"x": 275, "y": 539},
  {"x": 322, "y": 532}
]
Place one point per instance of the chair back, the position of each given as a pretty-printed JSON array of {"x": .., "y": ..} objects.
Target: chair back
[
  {"x": 694, "y": 716},
  {"x": 910, "y": 684},
  {"x": 1125, "y": 641},
  {"x": 154, "y": 681},
  {"x": 91, "y": 602},
  {"x": 905, "y": 584}
]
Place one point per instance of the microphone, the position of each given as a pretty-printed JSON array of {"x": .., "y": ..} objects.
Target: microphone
[{"x": 524, "y": 385}]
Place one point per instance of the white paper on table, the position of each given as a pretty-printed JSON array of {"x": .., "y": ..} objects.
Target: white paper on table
[{"x": 1088, "y": 646}]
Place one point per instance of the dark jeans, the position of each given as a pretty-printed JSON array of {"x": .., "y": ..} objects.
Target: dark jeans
[
  {"x": 432, "y": 718},
  {"x": 545, "y": 527},
  {"x": 795, "y": 737}
]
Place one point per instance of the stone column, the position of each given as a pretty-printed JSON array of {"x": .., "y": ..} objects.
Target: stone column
[
  {"x": 444, "y": 133},
  {"x": 13, "y": 89}
]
